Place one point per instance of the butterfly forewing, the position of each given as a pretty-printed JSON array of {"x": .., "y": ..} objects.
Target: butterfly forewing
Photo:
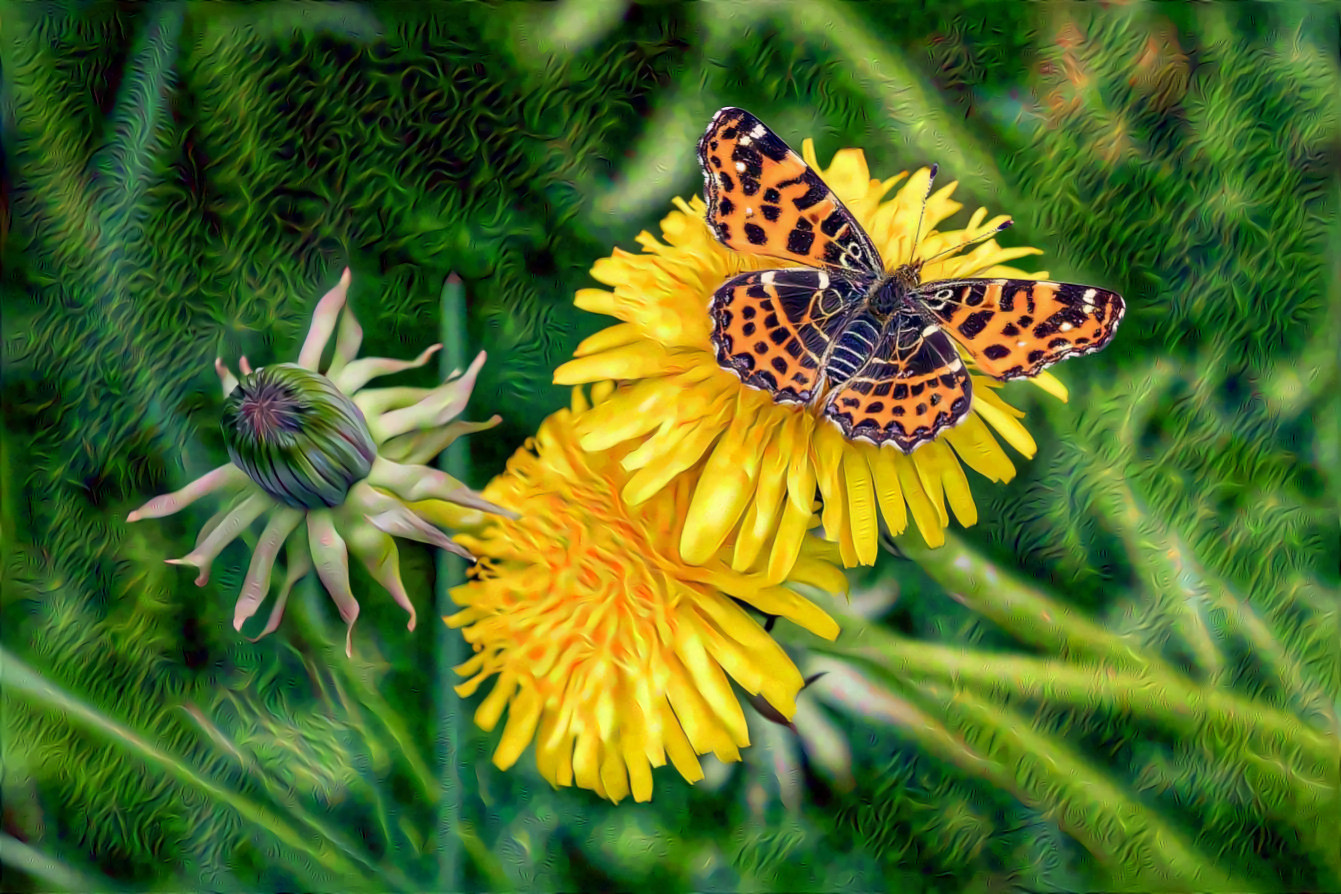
[
  {"x": 763, "y": 199},
  {"x": 774, "y": 328},
  {"x": 1015, "y": 328},
  {"x": 913, "y": 388}
]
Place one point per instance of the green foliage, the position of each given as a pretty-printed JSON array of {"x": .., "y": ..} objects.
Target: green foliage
[{"x": 1136, "y": 681}]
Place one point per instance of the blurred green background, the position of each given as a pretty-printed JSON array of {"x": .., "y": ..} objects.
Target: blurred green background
[{"x": 1126, "y": 677}]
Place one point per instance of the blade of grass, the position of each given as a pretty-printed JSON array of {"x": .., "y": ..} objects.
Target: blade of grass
[
  {"x": 48, "y": 869},
  {"x": 1026, "y": 612},
  {"x": 276, "y": 789},
  {"x": 998, "y": 746},
  {"x": 20, "y": 680}
]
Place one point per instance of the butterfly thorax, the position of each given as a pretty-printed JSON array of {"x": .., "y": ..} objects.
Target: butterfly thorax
[{"x": 891, "y": 294}]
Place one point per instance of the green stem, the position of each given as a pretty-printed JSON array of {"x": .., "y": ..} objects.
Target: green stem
[
  {"x": 19, "y": 679},
  {"x": 1185, "y": 708},
  {"x": 1294, "y": 772},
  {"x": 46, "y": 869},
  {"x": 281, "y": 795},
  {"x": 1139, "y": 849},
  {"x": 998, "y": 746},
  {"x": 368, "y": 695},
  {"x": 1024, "y": 611},
  {"x": 455, "y": 461},
  {"x": 1178, "y": 581}
]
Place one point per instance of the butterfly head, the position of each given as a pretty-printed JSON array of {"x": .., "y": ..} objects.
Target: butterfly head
[{"x": 893, "y": 291}]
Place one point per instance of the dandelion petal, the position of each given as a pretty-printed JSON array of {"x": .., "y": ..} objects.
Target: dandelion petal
[
  {"x": 861, "y": 517},
  {"x": 362, "y": 371},
  {"x": 332, "y": 563},
  {"x": 227, "y": 531},
  {"x": 725, "y": 487},
  {"x": 257, "y": 582},
  {"x": 888, "y": 494},
  {"x": 377, "y": 551},
  {"x": 523, "y": 715},
  {"x": 323, "y": 323},
  {"x": 299, "y": 561},
  {"x": 167, "y": 504}
]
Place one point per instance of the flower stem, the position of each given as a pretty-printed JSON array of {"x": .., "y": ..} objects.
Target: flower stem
[
  {"x": 276, "y": 789},
  {"x": 51, "y": 871},
  {"x": 1139, "y": 849},
  {"x": 995, "y": 744},
  {"x": 455, "y": 461},
  {"x": 19, "y": 679},
  {"x": 369, "y": 696},
  {"x": 1174, "y": 575},
  {"x": 1025, "y": 612},
  {"x": 1292, "y": 769}
]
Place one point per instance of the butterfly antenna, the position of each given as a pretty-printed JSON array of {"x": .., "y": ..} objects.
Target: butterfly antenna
[
  {"x": 917, "y": 234},
  {"x": 967, "y": 242}
]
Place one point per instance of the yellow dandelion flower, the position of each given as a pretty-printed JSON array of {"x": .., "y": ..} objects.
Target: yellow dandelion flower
[
  {"x": 763, "y": 460},
  {"x": 611, "y": 652}
]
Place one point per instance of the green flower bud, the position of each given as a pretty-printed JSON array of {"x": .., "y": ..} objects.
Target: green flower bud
[{"x": 297, "y": 436}]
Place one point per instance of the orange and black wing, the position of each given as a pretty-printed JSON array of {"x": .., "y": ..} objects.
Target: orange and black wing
[
  {"x": 1015, "y": 328},
  {"x": 774, "y": 328},
  {"x": 913, "y": 387},
  {"x": 763, "y": 199}
]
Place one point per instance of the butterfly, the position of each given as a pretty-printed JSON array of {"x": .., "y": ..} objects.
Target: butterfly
[{"x": 873, "y": 347}]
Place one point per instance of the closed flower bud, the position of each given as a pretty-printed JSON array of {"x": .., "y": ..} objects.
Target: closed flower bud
[
  {"x": 297, "y": 436},
  {"x": 336, "y": 469}
]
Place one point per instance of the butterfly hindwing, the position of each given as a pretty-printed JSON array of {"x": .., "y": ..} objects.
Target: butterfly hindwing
[
  {"x": 763, "y": 199},
  {"x": 913, "y": 387},
  {"x": 1015, "y": 328},
  {"x": 773, "y": 328}
]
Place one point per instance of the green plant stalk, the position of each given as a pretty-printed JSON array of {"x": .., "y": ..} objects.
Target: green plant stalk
[
  {"x": 49, "y": 870},
  {"x": 922, "y": 728},
  {"x": 450, "y": 648},
  {"x": 1123, "y": 833},
  {"x": 1186, "y": 708},
  {"x": 1007, "y": 744},
  {"x": 368, "y": 695},
  {"x": 1162, "y": 556},
  {"x": 279, "y": 794},
  {"x": 18, "y": 679},
  {"x": 1041, "y": 621},
  {"x": 1297, "y": 783},
  {"x": 1025, "y": 612}
]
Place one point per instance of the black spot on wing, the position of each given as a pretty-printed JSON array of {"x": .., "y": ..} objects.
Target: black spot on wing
[
  {"x": 975, "y": 323},
  {"x": 799, "y": 241},
  {"x": 832, "y": 224}
]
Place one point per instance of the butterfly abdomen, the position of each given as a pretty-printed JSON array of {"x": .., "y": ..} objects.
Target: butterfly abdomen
[{"x": 852, "y": 349}]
